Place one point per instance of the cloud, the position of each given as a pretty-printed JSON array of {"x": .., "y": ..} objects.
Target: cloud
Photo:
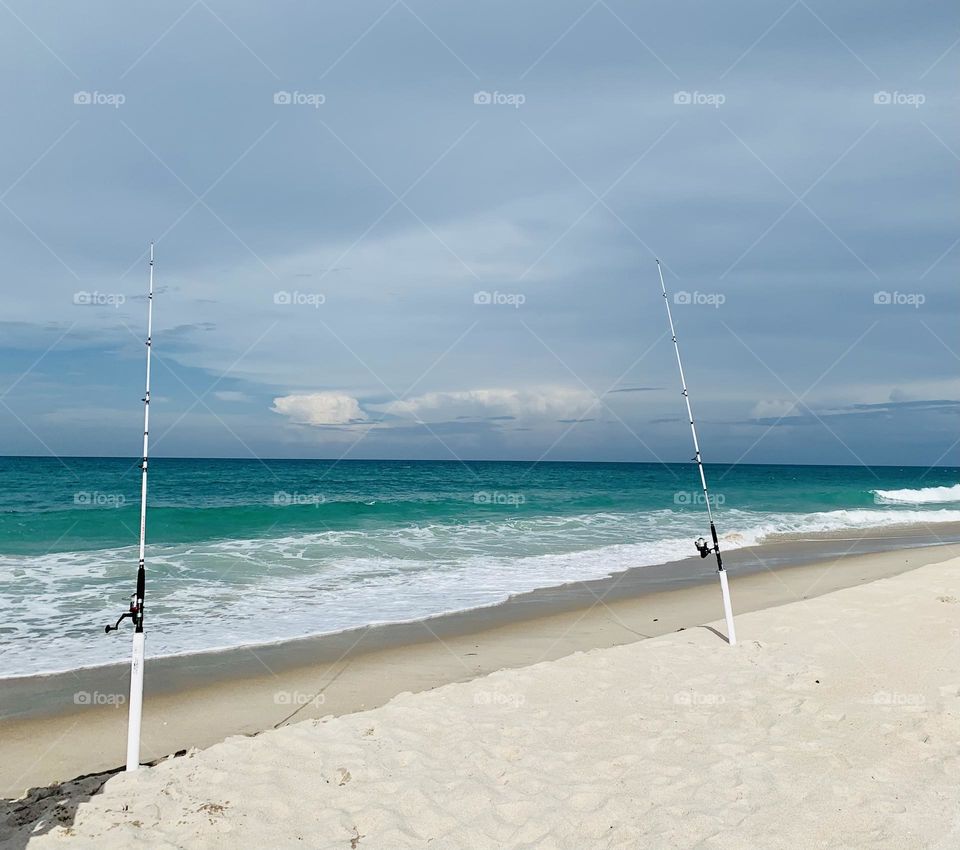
[
  {"x": 465, "y": 409},
  {"x": 231, "y": 395},
  {"x": 328, "y": 408},
  {"x": 552, "y": 402},
  {"x": 886, "y": 409},
  {"x": 915, "y": 404},
  {"x": 772, "y": 409}
]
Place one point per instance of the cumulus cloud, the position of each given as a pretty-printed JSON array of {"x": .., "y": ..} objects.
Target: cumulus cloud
[
  {"x": 326, "y": 408},
  {"x": 494, "y": 404},
  {"x": 564, "y": 404},
  {"x": 772, "y": 409}
]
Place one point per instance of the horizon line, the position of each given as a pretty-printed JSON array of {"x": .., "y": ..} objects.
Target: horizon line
[{"x": 530, "y": 461}]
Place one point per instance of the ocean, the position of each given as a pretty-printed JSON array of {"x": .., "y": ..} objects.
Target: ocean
[{"x": 242, "y": 552}]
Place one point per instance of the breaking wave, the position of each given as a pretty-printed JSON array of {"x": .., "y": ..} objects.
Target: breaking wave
[{"x": 923, "y": 496}]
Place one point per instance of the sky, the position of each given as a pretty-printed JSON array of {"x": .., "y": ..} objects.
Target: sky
[{"x": 412, "y": 229}]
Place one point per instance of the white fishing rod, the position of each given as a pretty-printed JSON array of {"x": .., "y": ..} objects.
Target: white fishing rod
[
  {"x": 136, "y": 601},
  {"x": 702, "y": 546}
]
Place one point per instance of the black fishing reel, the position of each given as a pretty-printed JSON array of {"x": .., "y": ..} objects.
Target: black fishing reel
[
  {"x": 703, "y": 547},
  {"x": 133, "y": 614}
]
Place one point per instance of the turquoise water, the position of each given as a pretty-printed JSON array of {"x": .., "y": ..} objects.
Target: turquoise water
[{"x": 252, "y": 551}]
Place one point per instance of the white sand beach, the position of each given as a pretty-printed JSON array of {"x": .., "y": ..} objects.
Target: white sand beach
[{"x": 834, "y": 722}]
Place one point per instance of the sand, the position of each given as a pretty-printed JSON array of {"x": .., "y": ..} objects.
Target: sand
[
  {"x": 833, "y": 723},
  {"x": 197, "y": 701}
]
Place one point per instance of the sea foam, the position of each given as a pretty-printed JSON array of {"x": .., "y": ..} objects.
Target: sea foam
[
  {"x": 923, "y": 496},
  {"x": 253, "y": 591}
]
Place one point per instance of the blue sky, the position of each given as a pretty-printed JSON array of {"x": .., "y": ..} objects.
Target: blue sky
[{"x": 427, "y": 230}]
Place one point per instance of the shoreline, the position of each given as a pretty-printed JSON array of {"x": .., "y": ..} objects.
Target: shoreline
[
  {"x": 784, "y": 551},
  {"x": 198, "y": 700},
  {"x": 681, "y": 740},
  {"x": 186, "y": 620}
]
